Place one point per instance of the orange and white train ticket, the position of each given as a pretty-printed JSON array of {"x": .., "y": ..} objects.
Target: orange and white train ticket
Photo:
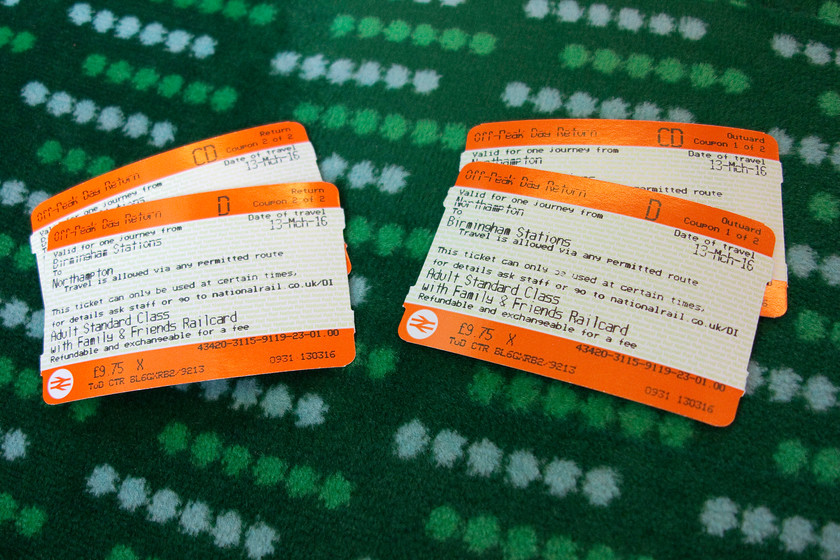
[
  {"x": 729, "y": 168},
  {"x": 263, "y": 155},
  {"x": 204, "y": 286},
  {"x": 638, "y": 294}
]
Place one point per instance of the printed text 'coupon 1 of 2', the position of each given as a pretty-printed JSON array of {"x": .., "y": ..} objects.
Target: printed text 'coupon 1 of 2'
[
  {"x": 637, "y": 294},
  {"x": 203, "y": 286}
]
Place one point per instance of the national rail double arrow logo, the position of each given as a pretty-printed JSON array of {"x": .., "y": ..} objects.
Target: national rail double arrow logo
[{"x": 422, "y": 324}]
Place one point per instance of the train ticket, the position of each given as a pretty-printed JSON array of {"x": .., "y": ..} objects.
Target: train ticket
[
  {"x": 729, "y": 168},
  {"x": 269, "y": 154},
  {"x": 204, "y": 286},
  {"x": 638, "y": 294}
]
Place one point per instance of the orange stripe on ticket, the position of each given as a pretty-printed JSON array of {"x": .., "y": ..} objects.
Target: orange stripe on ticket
[
  {"x": 622, "y": 375},
  {"x": 605, "y": 132},
  {"x": 156, "y": 213},
  {"x": 189, "y": 363},
  {"x": 620, "y": 199},
  {"x": 165, "y": 164}
]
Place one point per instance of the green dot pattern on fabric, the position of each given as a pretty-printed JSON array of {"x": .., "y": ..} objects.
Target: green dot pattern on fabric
[
  {"x": 174, "y": 438},
  {"x": 826, "y": 466},
  {"x": 523, "y": 392},
  {"x": 7, "y": 368},
  {"x": 365, "y": 122},
  {"x": 561, "y": 401},
  {"x": 210, "y": 6},
  {"x": 394, "y": 127},
  {"x": 24, "y": 259},
  {"x": 824, "y": 207},
  {"x": 145, "y": 78},
  {"x": 636, "y": 421},
  {"x": 443, "y": 523},
  {"x": 206, "y": 448},
  {"x": 423, "y": 35},
  {"x": 829, "y": 103},
  {"x": 418, "y": 242},
  {"x": 598, "y": 411},
  {"x": 369, "y": 27},
  {"x": 122, "y": 552},
  {"x": 521, "y": 544},
  {"x": 335, "y": 116},
  {"x": 50, "y": 151},
  {"x": 425, "y": 132},
  {"x": 397, "y": 31},
  {"x": 30, "y": 521},
  {"x": 829, "y": 13},
  {"x": 28, "y": 383},
  {"x": 119, "y": 72},
  {"x": 8, "y": 507},
  {"x": 574, "y": 56},
  {"x": 94, "y": 65},
  {"x": 342, "y": 25},
  {"x": 703, "y": 75},
  {"x": 74, "y": 160},
  {"x": 601, "y": 552},
  {"x": 486, "y": 384},
  {"x": 482, "y": 43},
  {"x": 235, "y": 9},
  {"x": 638, "y": 66},
  {"x": 606, "y": 61},
  {"x": 560, "y": 548},
  {"x": 262, "y": 14},
  {"x": 358, "y": 231},
  {"x": 170, "y": 85},
  {"x": 235, "y": 460},
  {"x": 790, "y": 457},
  {"x": 6, "y": 245},
  {"x": 381, "y": 362},
  {"x": 389, "y": 239},
  {"x": 82, "y": 411},
  {"x": 482, "y": 533},
  {"x": 810, "y": 326},
  {"x": 670, "y": 70},
  {"x": 675, "y": 431},
  {"x": 453, "y": 39},
  {"x": 269, "y": 470},
  {"x": 22, "y": 42},
  {"x": 196, "y": 93},
  {"x": 302, "y": 480},
  {"x": 100, "y": 165},
  {"x": 734, "y": 81},
  {"x": 335, "y": 491},
  {"x": 6, "y": 35}
]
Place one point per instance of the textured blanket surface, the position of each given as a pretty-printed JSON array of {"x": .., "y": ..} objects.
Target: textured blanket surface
[{"x": 411, "y": 452}]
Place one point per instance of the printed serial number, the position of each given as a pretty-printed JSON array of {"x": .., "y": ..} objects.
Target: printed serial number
[
  {"x": 265, "y": 339},
  {"x": 651, "y": 366}
]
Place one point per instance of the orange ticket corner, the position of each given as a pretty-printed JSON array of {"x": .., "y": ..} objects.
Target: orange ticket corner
[{"x": 775, "y": 303}]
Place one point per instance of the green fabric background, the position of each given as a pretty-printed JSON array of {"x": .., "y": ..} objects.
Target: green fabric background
[{"x": 411, "y": 452}]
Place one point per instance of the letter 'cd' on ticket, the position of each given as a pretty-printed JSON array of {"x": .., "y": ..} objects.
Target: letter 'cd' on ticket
[
  {"x": 641, "y": 295},
  {"x": 729, "y": 168},
  {"x": 204, "y": 286}
]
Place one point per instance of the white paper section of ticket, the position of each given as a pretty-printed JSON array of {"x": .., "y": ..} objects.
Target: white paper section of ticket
[
  {"x": 659, "y": 294},
  {"x": 746, "y": 185},
  {"x": 192, "y": 282}
]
